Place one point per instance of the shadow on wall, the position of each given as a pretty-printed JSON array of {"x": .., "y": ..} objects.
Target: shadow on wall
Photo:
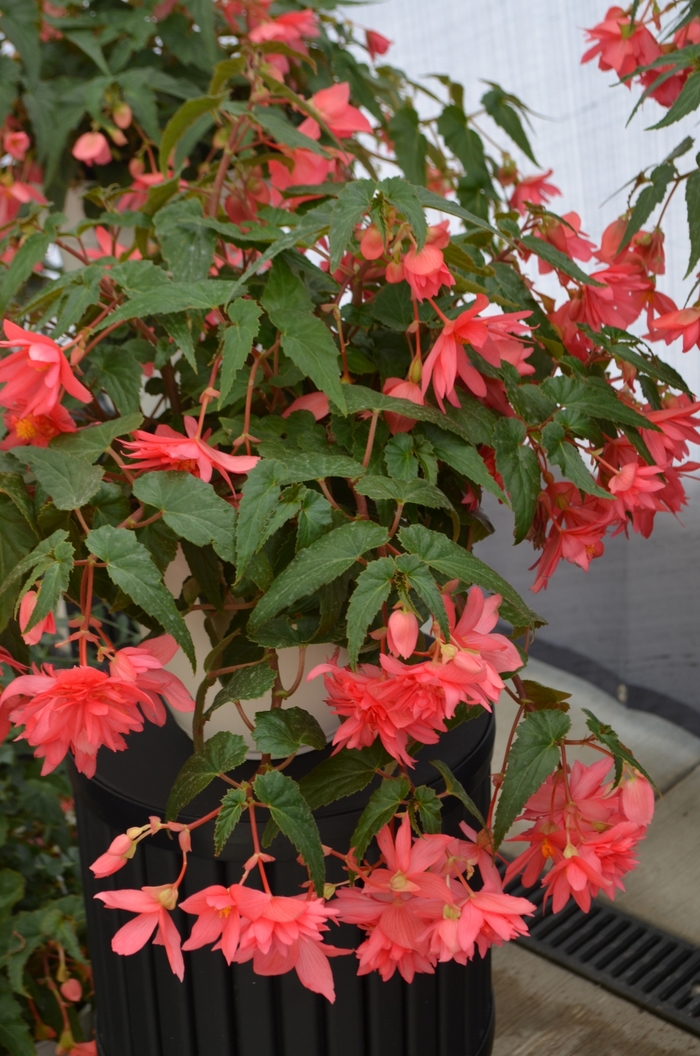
[{"x": 629, "y": 625}]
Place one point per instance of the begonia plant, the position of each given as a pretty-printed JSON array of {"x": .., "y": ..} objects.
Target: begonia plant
[{"x": 301, "y": 336}]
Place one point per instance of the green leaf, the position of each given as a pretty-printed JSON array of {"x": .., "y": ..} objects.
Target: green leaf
[
  {"x": 89, "y": 44},
  {"x": 431, "y": 200},
  {"x": 131, "y": 568},
  {"x": 191, "y": 508},
  {"x": 498, "y": 105},
  {"x": 248, "y": 683},
  {"x": 186, "y": 242},
  {"x": 457, "y": 789},
  {"x": 607, "y": 736},
  {"x": 53, "y": 583},
  {"x": 318, "y": 466},
  {"x": 225, "y": 71},
  {"x": 276, "y": 124},
  {"x": 520, "y": 470},
  {"x": 322, "y": 562},
  {"x": 221, "y": 753},
  {"x": 358, "y": 398},
  {"x": 11, "y": 890},
  {"x": 69, "y": 482},
  {"x": 288, "y": 809},
  {"x": 653, "y": 367},
  {"x": 456, "y": 563},
  {"x": 544, "y": 697},
  {"x": 649, "y": 197},
  {"x": 40, "y": 557},
  {"x": 595, "y": 397},
  {"x": 462, "y": 457},
  {"x": 259, "y": 497},
  {"x": 29, "y": 254},
  {"x": 238, "y": 341},
  {"x": 383, "y": 805},
  {"x": 12, "y": 485},
  {"x": 172, "y": 297},
  {"x": 232, "y": 806},
  {"x": 92, "y": 441},
  {"x": 567, "y": 457},
  {"x": 403, "y": 196},
  {"x": 181, "y": 120},
  {"x": 400, "y": 458},
  {"x": 418, "y": 578},
  {"x": 348, "y": 209},
  {"x": 410, "y": 145},
  {"x": 120, "y": 375},
  {"x": 692, "y": 199},
  {"x": 557, "y": 259},
  {"x": 533, "y": 757},
  {"x": 372, "y": 589},
  {"x": 314, "y": 518},
  {"x": 687, "y": 101},
  {"x": 418, "y": 491},
  {"x": 429, "y": 808},
  {"x": 342, "y": 775},
  {"x": 178, "y": 326},
  {"x": 281, "y": 731},
  {"x": 15, "y": 1035}
]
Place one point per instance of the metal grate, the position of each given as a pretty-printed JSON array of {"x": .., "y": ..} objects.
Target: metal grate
[{"x": 657, "y": 971}]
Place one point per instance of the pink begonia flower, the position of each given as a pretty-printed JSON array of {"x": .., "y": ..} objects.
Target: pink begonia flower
[
  {"x": 579, "y": 524},
  {"x": 289, "y": 28},
  {"x": 684, "y": 323},
  {"x": 646, "y": 248},
  {"x": 144, "y": 664},
  {"x": 402, "y": 390},
  {"x": 81, "y": 708},
  {"x": 152, "y": 904},
  {"x": 402, "y": 633},
  {"x": 71, "y": 990},
  {"x": 372, "y": 245},
  {"x": 16, "y": 144},
  {"x": 333, "y": 106},
  {"x": 637, "y": 796},
  {"x": 424, "y": 270},
  {"x": 92, "y": 148},
  {"x": 620, "y": 46},
  {"x": 218, "y": 919},
  {"x": 314, "y": 402},
  {"x": 533, "y": 190},
  {"x": 37, "y": 375},
  {"x": 13, "y": 196},
  {"x": 45, "y": 626},
  {"x": 308, "y": 168},
  {"x": 376, "y": 43},
  {"x": 119, "y": 852},
  {"x": 36, "y": 430},
  {"x": 109, "y": 247},
  {"x": 634, "y": 485},
  {"x": 447, "y": 359},
  {"x": 167, "y": 449},
  {"x": 566, "y": 236},
  {"x": 477, "y": 920},
  {"x": 465, "y": 856},
  {"x": 281, "y": 933},
  {"x": 407, "y": 864}
]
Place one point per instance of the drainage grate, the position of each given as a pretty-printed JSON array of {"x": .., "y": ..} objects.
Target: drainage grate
[{"x": 621, "y": 953}]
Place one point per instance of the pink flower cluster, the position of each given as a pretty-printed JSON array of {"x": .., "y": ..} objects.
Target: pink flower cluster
[
  {"x": 585, "y": 832},
  {"x": 79, "y": 709},
  {"x": 400, "y": 703},
  {"x": 418, "y": 909}
]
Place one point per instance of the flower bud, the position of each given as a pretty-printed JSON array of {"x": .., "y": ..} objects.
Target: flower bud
[
  {"x": 402, "y": 633},
  {"x": 71, "y": 990},
  {"x": 372, "y": 243},
  {"x": 394, "y": 273},
  {"x": 121, "y": 115}
]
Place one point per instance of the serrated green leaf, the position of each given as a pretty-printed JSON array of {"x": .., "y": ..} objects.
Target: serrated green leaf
[
  {"x": 462, "y": 457},
  {"x": 259, "y": 497},
  {"x": 383, "y": 805},
  {"x": 315, "y": 516},
  {"x": 69, "y": 481},
  {"x": 410, "y": 145},
  {"x": 594, "y": 397},
  {"x": 568, "y": 458},
  {"x": 276, "y": 124},
  {"x": 359, "y": 398},
  {"x": 221, "y": 753},
  {"x": 182, "y": 119},
  {"x": 498, "y": 105},
  {"x": 288, "y": 809},
  {"x": 11, "y": 890},
  {"x": 238, "y": 341},
  {"x": 654, "y": 367},
  {"x": 54, "y": 582},
  {"x": 418, "y": 578},
  {"x": 232, "y": 806},
  {"x": 15, "y": 1035},
  {"x": 429, "y": 808},
  {"x": 248, "y": 683},
  {"x": 520, "y": 470},
  {"x": 92, "y": 441},
  {"x": 29, "y": 254},
  {"x": 533, "y": 757},
  {"x": 131, "y": 568},
  {"x": 172, "y": 297},
  {"x": 607, "y": 736},
  {"x": 40, "y": 557},
  {"x": 281, "y": 731},
  {"x": 649, "y": 197},
  {"x": 191, "y": 508},
  {"x": 348, "y": 209},
  {"x": 178, "y": 326},
  {"x": 400, "y": 459},
  {"x": 372, "y": 589},
  {"x": 431, "y": 200},
  {"x": 322, "y": 562},
  {"x": 120, "y": 375},
  {"x": 692, "y": 199},
  {"x": 187, "y": 244},
  {"x": 456, "y": 563},
  {"x": 404, "y": 197},
  {"x": 342, "y": 775},
  {"x": 457, "y": 789},
  {"x": 687, "y": 101},
  {"x": 417, "y": 491},
  {"x": 318, "y": 466},
  {"x": 12, "y": 485},
  {"x": 557, "y": 259},
  {"x": 544, "y": 697}
]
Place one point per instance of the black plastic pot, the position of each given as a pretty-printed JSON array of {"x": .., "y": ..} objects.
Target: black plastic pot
[{"x": 143, "y": 1010}]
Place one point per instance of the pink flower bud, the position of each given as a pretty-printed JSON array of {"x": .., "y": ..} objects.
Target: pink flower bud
[
  {"x": 120, "y": 850},
  {"x": 394, "y": 273},
  {"x": 26, "y": 608},
  {"x": 637, "y": 797},
  {"x": 376, "y": 43},
  {"x": 185, "y": 841},
  {"x": 372, "y": 243},
  {"x": 402, "y": 633},
  {"x": 92, "y": 148},
  {"x": 72, "y": 990},
  {"x": 16, "y": 144},
  {"x": 315, "y": 402},
  {"x": 118, "y": 137},
  {"x": 122, "y": 115}
]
